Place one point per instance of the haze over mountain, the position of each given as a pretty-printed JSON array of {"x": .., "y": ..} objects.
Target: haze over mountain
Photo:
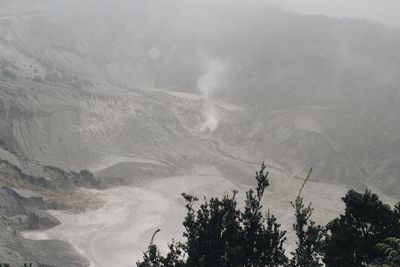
[{"x": 137, "y": 91}]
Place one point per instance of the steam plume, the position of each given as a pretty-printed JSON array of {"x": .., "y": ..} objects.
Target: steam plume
[{"x": 207, "y": 84}]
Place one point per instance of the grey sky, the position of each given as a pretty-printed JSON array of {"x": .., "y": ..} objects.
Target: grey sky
[{"x": 383, "y": 11}]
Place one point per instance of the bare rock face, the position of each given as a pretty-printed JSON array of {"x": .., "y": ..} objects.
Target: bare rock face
[
  {"x": 20, "y": 211},
  {"x": 45, "y": 220},
  {"x": 91, "y": 104},
  {"x": 78, "y": 102},
  {"x": 10, "y": 202},
  {"x": 22, "y": 208},
  {"x": 16, "y": 251}
]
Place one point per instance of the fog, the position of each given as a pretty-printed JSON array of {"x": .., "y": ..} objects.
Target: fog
[
  {"x": 385, "y": 12},
  {"x": 335, "y": 75},
  {"x": 156, "y": 97}
]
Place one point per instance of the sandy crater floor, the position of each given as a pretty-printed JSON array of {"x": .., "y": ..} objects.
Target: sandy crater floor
[{"x": 117, "y": 233}]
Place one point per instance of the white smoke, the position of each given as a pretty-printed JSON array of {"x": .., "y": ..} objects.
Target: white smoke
[
  {"x": 211, "y": 117},
  {"x": 154, "y": 53},
  {"x": 207, "y": 83}
]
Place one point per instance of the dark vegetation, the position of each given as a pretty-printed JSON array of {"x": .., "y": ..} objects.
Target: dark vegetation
[
  {"x": 219, "y": 234},
  {"x": 8, "y": 265},
  {"x": 353, "y": 236},
  {"x": 390, "y": 248}
]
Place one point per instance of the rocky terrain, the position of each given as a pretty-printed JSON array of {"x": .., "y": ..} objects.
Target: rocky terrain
[
  {"x": 24, "y": 200},
  {"x": 93, "y": 103}
]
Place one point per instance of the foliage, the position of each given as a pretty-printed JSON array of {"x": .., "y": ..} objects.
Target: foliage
[
  {"x": 390, "y": 249},
  {"x": 153, "y": 258},
  {"x": 309, "y": 235},
  {"x": 218, "y": 234},
  {"x": 353, "y": 236},
  {"x": 8, "y": 265}
]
